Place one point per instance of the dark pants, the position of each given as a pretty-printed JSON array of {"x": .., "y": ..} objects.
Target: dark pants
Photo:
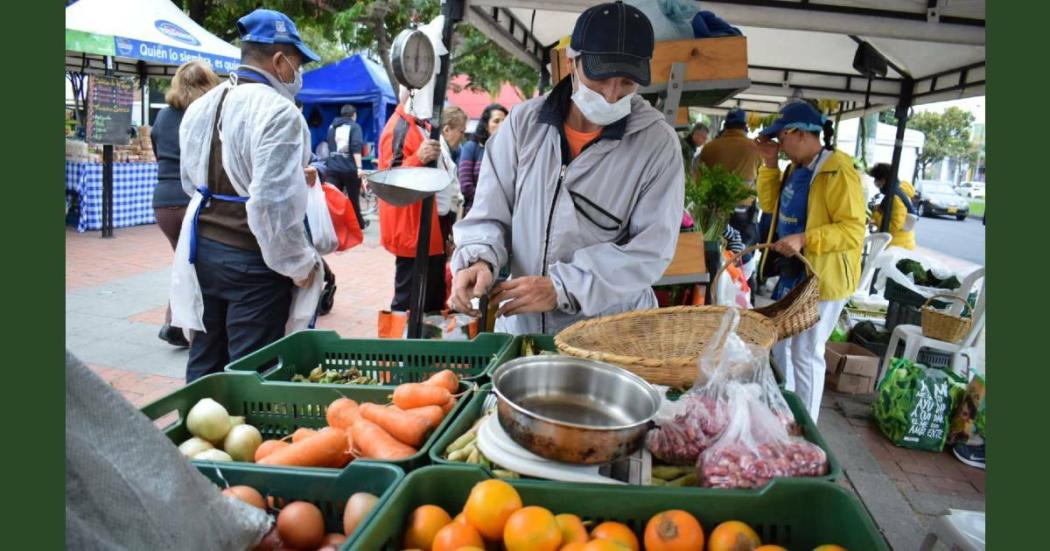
[
  {"x": 169, "y": 220},
  {"x": 349, "y": 183},
  {"x": 246, "y": 306},
  {"x": 435, "y": 295}
]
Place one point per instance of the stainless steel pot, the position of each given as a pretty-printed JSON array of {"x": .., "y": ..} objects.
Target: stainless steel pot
[{"x": 573, "y": 410}]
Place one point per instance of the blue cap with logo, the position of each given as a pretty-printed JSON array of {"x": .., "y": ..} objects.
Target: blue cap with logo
[
  {"x": 273, "y": 27},
  {"x": 796, "y": 114},
  {"x": 736, "y": 116}
]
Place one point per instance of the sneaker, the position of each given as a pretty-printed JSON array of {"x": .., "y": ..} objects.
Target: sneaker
[
  {"x": 971, "y": 455},
  {"x": 173, "y": 336}
]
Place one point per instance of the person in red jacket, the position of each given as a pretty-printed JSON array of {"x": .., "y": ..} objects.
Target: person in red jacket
[{"x": 406, "y": 142}]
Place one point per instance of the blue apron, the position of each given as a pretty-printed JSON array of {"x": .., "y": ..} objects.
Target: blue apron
[{"x": 791, "y": 219}]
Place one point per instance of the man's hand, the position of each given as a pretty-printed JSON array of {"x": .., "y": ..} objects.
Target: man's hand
[
  {"x": 470, "y": 283},
  {"x": 429, "y": 151},
  {"x": 529, "y": 294},
  {"x": 790, "y": 245},
  {"x": 311, "y": 175},
  {"x": 768, "y": 150}
]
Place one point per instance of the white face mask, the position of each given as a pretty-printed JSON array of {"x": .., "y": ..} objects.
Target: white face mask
[
  {"x": 296, "y": 84},
  {"x": 595, "y": 108}
]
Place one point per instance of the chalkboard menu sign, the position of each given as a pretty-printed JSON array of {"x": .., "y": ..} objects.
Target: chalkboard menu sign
[{"x": 109, "y": 109}]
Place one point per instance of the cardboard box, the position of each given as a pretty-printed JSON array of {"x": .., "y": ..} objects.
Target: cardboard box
[{"x": 850, "y": 368}]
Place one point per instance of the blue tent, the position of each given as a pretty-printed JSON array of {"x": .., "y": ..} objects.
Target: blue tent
[{"x": 356, "y": 81}]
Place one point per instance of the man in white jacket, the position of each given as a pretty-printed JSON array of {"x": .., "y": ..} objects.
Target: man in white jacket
[
  {"x": 580, "y": 192},
  {"x": 244, "y": 247}
]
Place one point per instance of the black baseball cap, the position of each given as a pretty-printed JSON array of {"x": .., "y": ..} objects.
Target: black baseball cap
[{"x": 614, "y": 40}]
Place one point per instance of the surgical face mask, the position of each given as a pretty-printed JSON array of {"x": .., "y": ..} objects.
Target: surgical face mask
[
  {"x": 595, "y": 108},
  {"x": 296, "y": 84}
]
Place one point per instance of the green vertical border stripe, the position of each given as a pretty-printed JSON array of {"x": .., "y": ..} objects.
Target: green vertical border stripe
[{"x": 90, "y": 43}]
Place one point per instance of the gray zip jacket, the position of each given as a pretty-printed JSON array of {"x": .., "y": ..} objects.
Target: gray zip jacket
[{"x": 603, "y": 226}]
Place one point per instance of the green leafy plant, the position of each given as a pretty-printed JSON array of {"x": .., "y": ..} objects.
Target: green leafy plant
[{"x": 711, "y": 194}]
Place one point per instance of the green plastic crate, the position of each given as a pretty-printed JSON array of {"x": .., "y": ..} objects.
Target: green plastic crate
[
  {"x": 473, "y": 410},
  {"x": 276, "y": 408},
  {"x": 795, "y": 513},
  {"x": 392, "y": 361},
  {"x": 327, "y": 490}
]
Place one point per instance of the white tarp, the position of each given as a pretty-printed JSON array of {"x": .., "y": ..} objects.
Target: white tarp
[{"x": 154, "y": 31}]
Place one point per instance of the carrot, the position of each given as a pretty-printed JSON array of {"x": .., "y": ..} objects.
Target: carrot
[
  {"x": 433, "y": 414},
  {"x": 327, "y": 448},
  {"x": 268, "y": 447},
  {"x": 445, "y": 379},
  {"x": 302, "y": 433},
  {"x": 447, "y": 406},
  {"x": 376, "y": 443},
  {"x": 414, "y": 395},
  {"x": 408, "y": 428},
  {"x": 341, "y": 413}
]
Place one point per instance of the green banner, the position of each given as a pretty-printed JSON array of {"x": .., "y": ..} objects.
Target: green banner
[{"x": 90, "y": 43}]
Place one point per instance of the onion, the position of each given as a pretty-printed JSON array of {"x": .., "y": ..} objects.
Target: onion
[
  {"x": 241, "y": 442},
  {"x": 213, "y": 455},
  {"x": 193, "y": 446},
  {"x": 208, "y": 420},
  {"x": 236, "y": 420},
  {"x": 357, "y": 508}
]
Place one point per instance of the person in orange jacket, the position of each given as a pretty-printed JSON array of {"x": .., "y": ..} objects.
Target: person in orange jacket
[{"x": 406, "y": 142}]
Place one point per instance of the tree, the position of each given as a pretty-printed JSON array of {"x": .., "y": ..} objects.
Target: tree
[{"x": 947, "y": 136}]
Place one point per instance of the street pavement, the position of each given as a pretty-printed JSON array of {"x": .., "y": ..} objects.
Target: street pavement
[{"x": 963, "y": 240}]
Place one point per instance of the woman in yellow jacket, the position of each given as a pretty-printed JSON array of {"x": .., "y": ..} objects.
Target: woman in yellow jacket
[
  {"x": 818, "y": 209},
  {"x": 902, "y": 207}
]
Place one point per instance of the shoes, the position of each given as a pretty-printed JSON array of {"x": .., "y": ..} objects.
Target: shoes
[
  {"x": 971, "y": 455},
  {"x": 173, "y": 336}
]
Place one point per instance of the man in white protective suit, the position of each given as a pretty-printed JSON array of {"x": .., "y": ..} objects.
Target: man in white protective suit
[{"x": 245, "y": 269}]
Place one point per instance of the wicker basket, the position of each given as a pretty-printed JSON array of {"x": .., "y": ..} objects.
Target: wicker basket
[
  {"x": 796, "y": 311},
  {"x": 942, "y": 325},
  {"x": 661, "y": 345}
]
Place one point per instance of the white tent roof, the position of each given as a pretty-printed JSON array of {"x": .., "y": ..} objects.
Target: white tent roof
[
  {"x": 156, "y": 33},
  {"x": 800, "y": 47}
]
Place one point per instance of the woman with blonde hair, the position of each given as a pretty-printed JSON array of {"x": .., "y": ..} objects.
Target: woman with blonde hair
[{"x": 192, "y": 80}]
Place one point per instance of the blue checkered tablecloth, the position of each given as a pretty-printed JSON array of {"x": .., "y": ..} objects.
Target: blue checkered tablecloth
[{"x": 133, "y": 185}]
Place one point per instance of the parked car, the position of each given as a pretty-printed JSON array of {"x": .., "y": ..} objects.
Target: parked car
[
  {"x": 973, "y": 190},
  {"x": 934, "y": 198}
]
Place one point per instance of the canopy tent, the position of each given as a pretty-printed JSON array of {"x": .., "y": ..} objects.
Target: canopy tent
[
  {"x": 355, "y": 80},
  {"x": 800, "y": 48},
  {"x": 145, "y": 38}
]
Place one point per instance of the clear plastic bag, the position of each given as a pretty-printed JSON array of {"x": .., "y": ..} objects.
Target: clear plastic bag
[
  {"x": 755, "y": 447},
  {"x": 322, "y": 231},
  {"x": 686, "y": 427}
]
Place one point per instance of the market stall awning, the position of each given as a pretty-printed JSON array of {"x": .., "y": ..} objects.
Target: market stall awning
[
  {"x": 355, "y": 80},
  {"x": 800, "y": 48},
  {"x": 151, "y": 37}
]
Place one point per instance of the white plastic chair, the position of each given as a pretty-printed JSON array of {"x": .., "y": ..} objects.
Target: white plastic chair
[
  {"x": 875, "y": 244},
  {"x": 958, "y": 530},
  {"x": 963, "y": 350}
]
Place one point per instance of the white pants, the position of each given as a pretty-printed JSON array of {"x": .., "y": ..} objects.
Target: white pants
[{"x": 802, "y": 357}]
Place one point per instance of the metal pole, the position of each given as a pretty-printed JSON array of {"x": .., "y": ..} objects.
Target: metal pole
[
  {"x": 107, "y": 177},
  {"x": 453, "y": 12},
  {"x": 144, "y": 86},
  {"x": 903, "y": 106}
]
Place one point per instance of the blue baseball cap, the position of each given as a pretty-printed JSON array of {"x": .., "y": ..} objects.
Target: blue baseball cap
[
  {"x": 614, "y": 40},
  {"x": 796, "y": 114},
  {"x": 736, "y": 116},
  {"x": 272, "y": 27}
]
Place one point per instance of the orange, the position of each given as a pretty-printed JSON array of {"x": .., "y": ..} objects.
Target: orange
[
  {"x": 455, "y": 536},
  {"x": 470, "y": 548},
  {"x": 733, "y": 535},
  {"x": 603, "y": 545},
  {"x": 461, "y": 518},
  {"x": 829, "y": 547},
  {"x": 616, "y": 532},
  {"x": 674, "y": 530},
  {"x": 574, "y": 546},
  {"x": 532, "y": 529},
  {"x": 489, "y": 505},
  {"x": 423, "y": 525},
  {"x": 572, "y": 529},
  {"x": 771, "y": 547}
]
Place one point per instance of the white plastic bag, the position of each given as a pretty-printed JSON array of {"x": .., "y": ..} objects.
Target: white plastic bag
[{"x": 320, "y": 221}]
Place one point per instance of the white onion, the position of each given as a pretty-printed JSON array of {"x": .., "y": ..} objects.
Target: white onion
[
  {"x": 357, "y": 508},
  {"x": 194, "y": 445},
  {"x": 213, "y": 455},
  {"x": 208, "y": 420},
  {"x": 236, "y": 420},
  {"x": 241, "y": 442}
]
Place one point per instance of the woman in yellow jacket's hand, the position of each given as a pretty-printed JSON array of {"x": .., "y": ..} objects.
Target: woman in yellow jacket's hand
[{"x": 818, "y": 210}]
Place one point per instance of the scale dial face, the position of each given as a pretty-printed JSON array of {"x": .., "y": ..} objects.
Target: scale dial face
[{"x": 412, "y": 57}]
